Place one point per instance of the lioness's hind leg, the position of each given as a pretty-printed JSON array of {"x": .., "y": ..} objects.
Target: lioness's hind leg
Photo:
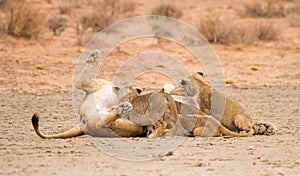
[
  {"x": 86, "y": 81},
  {"x": 264, "y": 128},
  {"x": 92, "y": 58}
]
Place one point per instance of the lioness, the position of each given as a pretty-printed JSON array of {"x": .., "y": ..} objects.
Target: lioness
[
  {"x": 233, "y": 119},
  {"x": 99, "y": 111}
]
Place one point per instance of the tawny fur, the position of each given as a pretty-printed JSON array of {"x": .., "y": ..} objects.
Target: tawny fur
[{"x": 234, "y": 117}]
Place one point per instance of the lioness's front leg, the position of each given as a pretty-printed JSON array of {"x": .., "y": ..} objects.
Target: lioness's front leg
[
  {"x": 264, "y": 128},
  {"x": 242, "y": 123},
  {"x": 122, "y": 127},
  {"x": 86, "y": 81}
]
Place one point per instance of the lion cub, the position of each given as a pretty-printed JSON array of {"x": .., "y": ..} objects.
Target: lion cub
[{"x": 156, "y": 110}]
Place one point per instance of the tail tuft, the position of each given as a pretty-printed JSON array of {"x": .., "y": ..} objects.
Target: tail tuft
[{"x": 35, "y": 121}]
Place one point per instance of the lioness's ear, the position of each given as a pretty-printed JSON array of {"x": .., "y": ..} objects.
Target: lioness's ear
[{"x": 200, "y": 73}]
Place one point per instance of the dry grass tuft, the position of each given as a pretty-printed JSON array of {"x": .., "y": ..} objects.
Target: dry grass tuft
[
  {"x": 167, "y": 10},
  {"x": 265, "y": 8},
  {"x": 96, "y": 21},
  {"x": 23, "y": 19},
  {"x": 294, "y": 20},
  {"x": 215, "y": 29},
  {"x": 2, "y": 27},
  {"x": 57, "y": 24},
  {"x": 2, "y": 22},
  {"x": 66, "y": 6},
  {"x": 293, "y": 16},
  {"x": 3, "y": 3},
  {"x": 266, "y": 31}
]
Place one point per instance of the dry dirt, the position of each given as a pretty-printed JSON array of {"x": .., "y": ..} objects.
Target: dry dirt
[{"x": 37, "y": 76}]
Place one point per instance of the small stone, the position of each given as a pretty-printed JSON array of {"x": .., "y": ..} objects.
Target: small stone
[
  {"x": 254, "y": 68},
  {"x": 199, "y": 165},
  {"x": 169, "y": 153},
  {"x": 40, "y": 67},
  {"x": 229, "y": 82}
]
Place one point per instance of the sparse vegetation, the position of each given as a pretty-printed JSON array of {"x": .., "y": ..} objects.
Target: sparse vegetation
[
  {"x": 265, "y": 8},
  {"x": 2, "y": 3},
  {"x": 104, "y": 13},
  {"x": 2, "y": 27},
  {"x": 294, "y": 20},
  {"x": 57, "y": 24},
  {"x": 293, "y": 16},
  {"x": 167, "y": 10},
  {"x": 217, "y": 30},
  {"x": 93, "y": 20},
  {"x": 65, "y": 7},
  {"x": 23, "y": 19},
  {"x": 266, "y": 31},
  {"x": 96, "y": 21}
]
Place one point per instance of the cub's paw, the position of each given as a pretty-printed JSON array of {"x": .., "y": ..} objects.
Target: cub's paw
[
  {"x": 264, "y": 128},
  {"x": 123, "y": 109},
  {"x": 156, "y": 130},
  {"x": 93, "y": 57}
]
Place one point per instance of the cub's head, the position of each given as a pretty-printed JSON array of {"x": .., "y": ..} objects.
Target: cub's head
[{"x": 126, "y": 93}]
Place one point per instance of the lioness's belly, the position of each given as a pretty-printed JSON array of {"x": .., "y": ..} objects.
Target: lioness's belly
[
  {"x": 94, "y": 107},
  {"x": 89, "y": 124}
]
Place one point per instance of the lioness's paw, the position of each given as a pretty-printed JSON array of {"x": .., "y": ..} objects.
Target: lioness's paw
[
  {"x": 264, "y": 128},
  {"x": 124, "y": 108},
  {"x": 93, "y": 57}
]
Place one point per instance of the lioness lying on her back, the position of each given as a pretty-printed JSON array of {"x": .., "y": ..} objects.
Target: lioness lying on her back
[
  {"x": 203, "y": 121},
  {"x": 102, "y": 116},
  {"x": 100, "y": 112}
]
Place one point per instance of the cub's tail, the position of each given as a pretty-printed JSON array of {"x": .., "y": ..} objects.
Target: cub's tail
[{"x": 73, "y": 132}]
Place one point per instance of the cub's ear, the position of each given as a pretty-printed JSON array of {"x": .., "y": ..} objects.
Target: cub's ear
[
  {"x": 200, "y": 73},
  {"x": 116, "y": 88},
  {"x": 162, "y": 90},
  {"x": 183, "y": 82},
  {"x": 138, "y": 90}
]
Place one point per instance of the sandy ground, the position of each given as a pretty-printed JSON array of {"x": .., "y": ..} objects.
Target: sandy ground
[{"x": 37, "y": 77}]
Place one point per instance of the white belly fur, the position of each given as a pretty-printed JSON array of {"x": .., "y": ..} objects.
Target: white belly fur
[{"x": 94, "y": 107}]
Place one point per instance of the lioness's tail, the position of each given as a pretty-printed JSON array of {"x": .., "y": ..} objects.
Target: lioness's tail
[{"x": 73, "y": 132}]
